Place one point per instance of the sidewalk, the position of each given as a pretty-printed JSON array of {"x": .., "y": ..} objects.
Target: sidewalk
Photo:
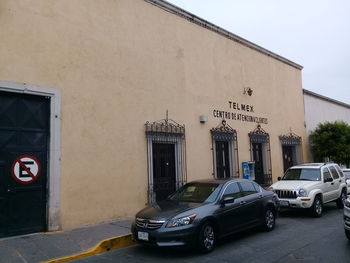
[{"x": 39, "y": 247}]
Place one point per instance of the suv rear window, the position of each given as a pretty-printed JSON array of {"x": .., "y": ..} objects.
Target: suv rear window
[
  {"x": 310, "y": 174},
  {"x": 339, "y": 171},
  {"x": 333, "y": 172}
]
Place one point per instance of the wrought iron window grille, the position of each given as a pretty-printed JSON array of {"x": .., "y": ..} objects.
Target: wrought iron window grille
[
  {"x": 224, "y": 132},
  {"x": 259, "y": 135},
  {"x": 166, "y": 131},
  {"x": 290, "y": 139}
]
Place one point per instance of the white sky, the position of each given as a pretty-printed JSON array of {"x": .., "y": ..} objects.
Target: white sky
[{"x": 312, "y": 33}]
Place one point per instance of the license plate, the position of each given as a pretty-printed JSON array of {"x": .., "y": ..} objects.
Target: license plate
[
  {"x": 284, "y": 203},
  {"x": 142, "y": 236}
]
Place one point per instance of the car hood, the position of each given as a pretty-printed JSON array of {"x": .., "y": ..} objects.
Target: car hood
[
  {"x": 166, "y": 209},
  {"x": 293, "y": 185}
]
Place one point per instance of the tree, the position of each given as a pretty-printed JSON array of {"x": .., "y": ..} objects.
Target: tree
[{"x": 332, "y": 140}]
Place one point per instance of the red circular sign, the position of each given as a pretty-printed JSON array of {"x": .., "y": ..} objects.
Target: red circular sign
[{"x": 26, "y": 169}]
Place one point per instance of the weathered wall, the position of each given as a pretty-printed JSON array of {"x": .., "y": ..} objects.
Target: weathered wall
[
  {"x": 120, "y": 63},
  {"x": 320, "y": 109}
]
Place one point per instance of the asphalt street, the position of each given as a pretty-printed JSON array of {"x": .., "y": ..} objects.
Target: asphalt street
[{"x": 296, "y": 238}]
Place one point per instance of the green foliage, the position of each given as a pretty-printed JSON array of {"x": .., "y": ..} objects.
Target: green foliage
[{"x": 332, "y": 140}]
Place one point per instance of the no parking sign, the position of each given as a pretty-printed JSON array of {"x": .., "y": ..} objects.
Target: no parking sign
[{"x": 26, "y": 169}]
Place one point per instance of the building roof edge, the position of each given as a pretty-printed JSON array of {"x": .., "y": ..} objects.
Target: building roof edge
[
  {"x": 316, "y": 95},
  {"x": 210, "y": 26}
]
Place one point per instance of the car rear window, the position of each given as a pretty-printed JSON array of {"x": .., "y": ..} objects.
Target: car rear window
[{"x": 248, "y": 188}]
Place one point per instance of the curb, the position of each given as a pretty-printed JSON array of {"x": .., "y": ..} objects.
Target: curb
[{"x": 103, "y": 246}]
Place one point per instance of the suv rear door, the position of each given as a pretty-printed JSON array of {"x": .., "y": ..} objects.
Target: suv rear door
[
  {"x": 337, "y": 181},
  {"x": 330, "y": 189}
]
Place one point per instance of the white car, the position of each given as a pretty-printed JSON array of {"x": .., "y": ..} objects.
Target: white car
[
  {"x": 310, "y": 186},
  {"x": 346, "y": 173},
  {"x": 347, "y": 218}
]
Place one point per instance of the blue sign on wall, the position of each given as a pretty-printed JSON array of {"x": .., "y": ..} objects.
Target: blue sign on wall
[{"x": 248, "y": 170}]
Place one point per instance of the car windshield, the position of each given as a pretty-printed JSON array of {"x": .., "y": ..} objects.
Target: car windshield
[
  {"x": 197, "y": 193},
  {"x": 302, "y": 174},
  {"x": 347, "y": 174}
]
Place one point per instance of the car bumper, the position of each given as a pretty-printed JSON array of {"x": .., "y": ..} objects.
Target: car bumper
[
  {"x": 300, "y": 202},
  {"x": 165, "y": 237},
  {"x": 347, "y": 217}
]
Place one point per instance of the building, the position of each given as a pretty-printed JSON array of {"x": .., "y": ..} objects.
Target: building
[
  {"x": 108, "y": 105},
  {"x": 320, "y": 109}
]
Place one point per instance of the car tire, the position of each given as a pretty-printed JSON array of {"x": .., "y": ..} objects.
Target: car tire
[
  {"x": 347, "y": 233},
  {"x": 269, "y": 219},
  {"x": 207, "y": 238},
  {"x": 317, "y": 207},
  {"x": 341, "y": 200}
]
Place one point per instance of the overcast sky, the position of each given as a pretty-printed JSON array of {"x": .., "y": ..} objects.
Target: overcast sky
[{"x": 312, "y": 33}]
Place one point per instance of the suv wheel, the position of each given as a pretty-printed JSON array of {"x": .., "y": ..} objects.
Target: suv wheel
[
  {"x": 269, "y": 220},
  {"x": 317, "y": 208},
  {"x": 207, "y": 237},
  {"x": 347, "y": 233},
  {"x": 341, "y": 200}
]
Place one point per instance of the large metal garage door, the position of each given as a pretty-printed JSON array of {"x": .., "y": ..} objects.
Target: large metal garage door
[{"x": 24, "y": 137}]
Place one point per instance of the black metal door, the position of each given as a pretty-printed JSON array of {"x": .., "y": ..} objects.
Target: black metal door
[
  {"x": 164, "y": 179},
  {"x": 259, "y": 163},
  {"x": 24, "y": 133},
  {"x": 222, "y": 159},
  {"x": 288, "y": 161}
]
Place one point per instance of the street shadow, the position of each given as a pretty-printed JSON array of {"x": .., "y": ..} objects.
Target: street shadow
[
  {"x": 166, "y": 252},
  {"x": 328, "y": 209},
  {"x": 190, "y": 253}
]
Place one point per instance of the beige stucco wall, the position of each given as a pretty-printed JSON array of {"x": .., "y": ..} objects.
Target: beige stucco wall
[{"x": 120, "y": 63}]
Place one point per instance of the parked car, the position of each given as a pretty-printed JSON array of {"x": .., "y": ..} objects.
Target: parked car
[
  {"x": 311, "y": 185},
  {"x": 200, "y": 212},
  {"x": 346, "y": 173},
  {"x": 347, "y": 218}
]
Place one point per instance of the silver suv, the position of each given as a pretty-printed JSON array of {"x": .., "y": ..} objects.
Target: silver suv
[{"x": 310, "y": 186}]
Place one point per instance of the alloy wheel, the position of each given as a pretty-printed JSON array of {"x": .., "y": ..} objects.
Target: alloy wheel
[
  {"x": 269, "y": 219},
  {"x": 208, "y": 237},
  {"x": 318, "y": 206},
  {"x": 343, "y": 197}
]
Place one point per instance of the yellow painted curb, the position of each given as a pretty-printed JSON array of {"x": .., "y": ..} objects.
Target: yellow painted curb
[{"x": 103, "y": 246}]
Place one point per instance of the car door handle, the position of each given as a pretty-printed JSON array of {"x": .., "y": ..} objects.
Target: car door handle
[
  {"x": 332, "y": 183},
  {"x": 260, "y": 196},
  {"x": 242, "y": 202}
]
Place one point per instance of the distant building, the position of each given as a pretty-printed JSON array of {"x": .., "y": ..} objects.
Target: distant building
[
  {"x": 108, "y": 105},
  {"x": 320, "y": 109}
]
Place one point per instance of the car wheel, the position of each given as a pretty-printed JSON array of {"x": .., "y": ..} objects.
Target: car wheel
[
  {"x": 317, "y": 207},
  {"x": 269, "y": 220},
  {"x": 207, "y": 238},
  {"x": 347, "y": 233},
  {"x": 341, "y": 199}
]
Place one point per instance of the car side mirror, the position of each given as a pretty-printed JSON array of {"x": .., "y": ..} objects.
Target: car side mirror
[
  {"x": 227, "y": 200},
  {"x": 329, "y": 179},
  {"x": 279, "y": 178}
]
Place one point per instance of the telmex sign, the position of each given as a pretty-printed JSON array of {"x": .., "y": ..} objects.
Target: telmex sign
[{"x": 239, "y": 116}]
